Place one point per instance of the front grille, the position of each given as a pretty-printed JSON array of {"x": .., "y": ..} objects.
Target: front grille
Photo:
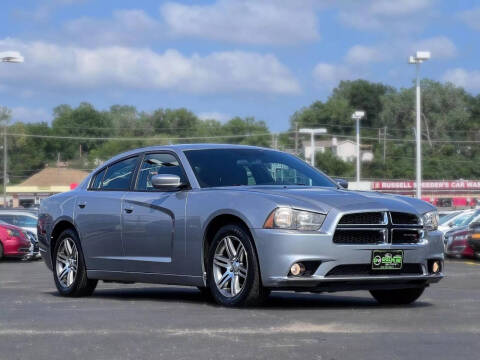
[
  {"x": 406, "y": 236},
  {"x": 404, "y": 218},
  {"x": 376, "y": 227},
  {"x": 364, "y": 218},
  {"x": 358, "y": 237},
  {"x": 366, "y": 270}
]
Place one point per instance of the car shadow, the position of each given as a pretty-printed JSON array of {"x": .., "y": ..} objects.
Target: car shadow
[{"x": 277, "y": 300}]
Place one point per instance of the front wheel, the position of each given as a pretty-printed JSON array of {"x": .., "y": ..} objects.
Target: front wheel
[
  {"x": 69, "y": 271},
  {"x": 233, "y": 269},
  {"x": 397, "y": 296}
]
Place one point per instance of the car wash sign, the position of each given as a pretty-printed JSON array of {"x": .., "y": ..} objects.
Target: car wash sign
[{"x": 433, "y": 185}]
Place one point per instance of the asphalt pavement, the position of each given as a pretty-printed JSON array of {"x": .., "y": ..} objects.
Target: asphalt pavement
[{"x": 144, "y": 321}]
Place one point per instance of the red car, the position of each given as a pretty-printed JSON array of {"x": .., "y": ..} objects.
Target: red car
[
  {"x": 13, "y": 242},
  {"x": 458, "y": 244}
]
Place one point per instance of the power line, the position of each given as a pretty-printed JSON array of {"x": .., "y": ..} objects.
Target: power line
[
  {"x": 136, "y": 138},
  {"x": 103, "y": 138}
]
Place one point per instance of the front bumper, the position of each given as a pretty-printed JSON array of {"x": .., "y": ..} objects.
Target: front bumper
[{"x": 279, "y": 249}]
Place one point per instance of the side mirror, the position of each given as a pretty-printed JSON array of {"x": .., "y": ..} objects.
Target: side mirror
[
  {"x": 342, "y": 182},
  {"x": 166, "y": 182}
]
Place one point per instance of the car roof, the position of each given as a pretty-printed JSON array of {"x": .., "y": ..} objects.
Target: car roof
[
  {"x": 179, "y": 147},
  {"x": 185, "y": 147},
  {"x": 17, "y": 212}
]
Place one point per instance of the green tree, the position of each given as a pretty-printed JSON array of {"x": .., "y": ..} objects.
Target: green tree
[{"x": 333, "y": 165}]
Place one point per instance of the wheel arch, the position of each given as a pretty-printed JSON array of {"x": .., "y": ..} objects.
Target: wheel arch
[
  {"x": 60, "y": 226},
  {"x": 214, "y": 224}
]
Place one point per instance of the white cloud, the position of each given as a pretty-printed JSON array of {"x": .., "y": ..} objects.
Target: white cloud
[
  {"x": 247, "y": 21},
  {"x": 44, "y": 9},
  {"x": 471, "y": 18},
  {"x": 125, "y": 27},
  {"x": 390, "y": 15},
  {"x": 469, "y": 80},
  {"x": 57, "y": 67},
  {"x": 28, "y": 115},
  {"x": 440, "y": 47},
  {"x": 214, "y": 115},
  {"x": 397, "y": 7},
  {"x": 329, "y": 75},
  {"x": 360, "y": 54}
]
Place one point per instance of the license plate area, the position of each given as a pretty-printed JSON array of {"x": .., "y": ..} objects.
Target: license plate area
[{"x": 387, "y": 259}]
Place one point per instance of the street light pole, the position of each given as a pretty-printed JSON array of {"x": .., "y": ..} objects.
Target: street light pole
[
  {"x": 358, "y": 115},
  {"x": 419, "y": 57},
  {"x": 8, "y": 57},
  {"x": 312, "y": 133}
]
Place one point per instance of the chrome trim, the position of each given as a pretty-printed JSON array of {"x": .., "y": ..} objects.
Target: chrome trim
[{"x": 387, "y": 227}]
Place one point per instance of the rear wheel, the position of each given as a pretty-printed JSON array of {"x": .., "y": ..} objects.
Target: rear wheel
[
  {"x": 233, "y": 269},
  {"x": 1, "y": 251},
  {"x": 69, "y": 271},
  {"x": 397, "y": 296}
]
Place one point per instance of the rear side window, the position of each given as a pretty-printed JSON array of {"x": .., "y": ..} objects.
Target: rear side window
[
  {"x": 7, "y": 218},
  {"x": 97, "y": 182},
  {"x": 25, "y": 221},
  {"x": 157, "y": 164},
  {"x": 119, "y": 175}
]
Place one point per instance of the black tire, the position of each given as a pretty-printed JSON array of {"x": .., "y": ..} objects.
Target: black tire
[
  {"x": 205, "y": 292},
  {"x": 397, "y": 296},
  {"x": 82, "y": 285},
  {"x": 1, "y": 251},
  {"x": 252, "y": 293}
]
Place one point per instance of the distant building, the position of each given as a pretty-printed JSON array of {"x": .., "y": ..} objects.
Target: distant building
[
  {"x": 344, "y": 149},
  {"x": 49, "y": 181}
]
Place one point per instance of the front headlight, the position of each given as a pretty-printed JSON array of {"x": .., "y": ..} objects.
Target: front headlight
[
  {"x": 430, "y": 220},
  {"x": 292, "y": 219}
]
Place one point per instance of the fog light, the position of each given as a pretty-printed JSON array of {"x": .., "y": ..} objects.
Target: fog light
[
  {"x": 297, "y": 269},
  {"x": 436, "y": 267}
]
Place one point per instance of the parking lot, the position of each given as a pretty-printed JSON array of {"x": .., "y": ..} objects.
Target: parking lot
[{"x": 160, "y": 322}]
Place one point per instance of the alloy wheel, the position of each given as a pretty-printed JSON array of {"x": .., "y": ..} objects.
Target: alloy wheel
[
  {"x": 230, "y": 266},
  {"x": 67, "y": 262}
]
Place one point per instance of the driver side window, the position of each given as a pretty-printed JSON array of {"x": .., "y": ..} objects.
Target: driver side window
[{"x": 156, "y": 164}]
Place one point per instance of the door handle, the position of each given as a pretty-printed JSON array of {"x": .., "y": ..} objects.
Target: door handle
[
  {"x": 82, "y": 205},
  {"x": 128, "y": 210}
]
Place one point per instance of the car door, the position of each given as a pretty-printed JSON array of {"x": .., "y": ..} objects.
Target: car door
[
  {"x": 98, "y": 216},
  {"x": 153, "y": 220}
]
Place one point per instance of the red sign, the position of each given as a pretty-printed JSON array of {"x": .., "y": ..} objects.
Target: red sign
[
  {"x": 73, "y": 186},
  {"x": 427, "y": 185}
]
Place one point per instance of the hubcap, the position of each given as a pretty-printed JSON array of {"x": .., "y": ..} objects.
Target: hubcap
[
  {"x": 230, "y": 266},
  {"x": 67, "y": 262}
]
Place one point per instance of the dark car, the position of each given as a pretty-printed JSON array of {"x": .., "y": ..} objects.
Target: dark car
[{"x": 474, "y": 238}]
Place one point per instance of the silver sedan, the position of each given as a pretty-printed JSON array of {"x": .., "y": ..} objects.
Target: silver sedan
[{"x": 237, "y": 222}]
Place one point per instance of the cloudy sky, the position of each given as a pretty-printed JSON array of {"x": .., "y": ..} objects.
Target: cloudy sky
[{"x": 221, "y": 58}]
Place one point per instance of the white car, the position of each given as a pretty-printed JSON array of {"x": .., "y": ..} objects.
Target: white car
[
  {"x": 23, "y": 219},
  {"x": 455, "y": 221}
]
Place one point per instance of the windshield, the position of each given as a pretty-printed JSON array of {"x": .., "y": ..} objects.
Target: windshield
[
  {"x": 235, "y": 167},
  {"x": 447, "y": 217},
  {"x": 465, "y": 220}
]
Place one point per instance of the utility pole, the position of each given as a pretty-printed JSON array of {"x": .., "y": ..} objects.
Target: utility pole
[
  {"x": 419, "y": 57},
  {"x": 312, "y": 133},
  {"x": 384, "y": 141},
  {"x": 357, "y": 115},
  {"x": 16, "y": 58},
  {"x": 296, "y": 137},
  {"x": 5, "y": 161}
]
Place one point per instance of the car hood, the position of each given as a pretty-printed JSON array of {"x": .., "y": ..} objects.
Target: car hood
[{"x": 326, "y": 199}]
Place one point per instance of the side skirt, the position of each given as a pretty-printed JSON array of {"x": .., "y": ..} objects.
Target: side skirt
[{"x": 152, "y": 278}]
